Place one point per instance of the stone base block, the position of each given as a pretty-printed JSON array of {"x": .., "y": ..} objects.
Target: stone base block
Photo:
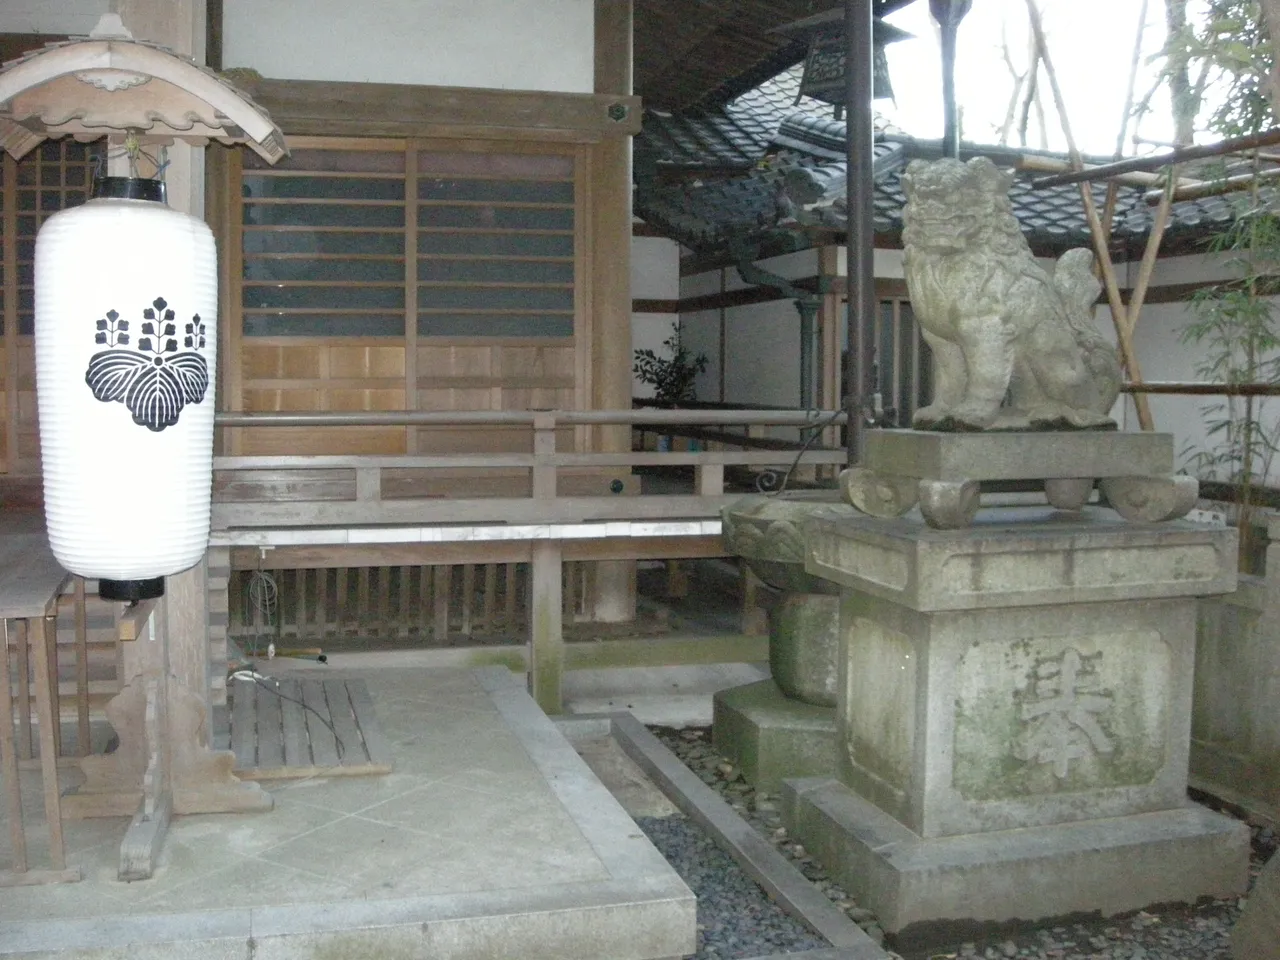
[
  {"x": 924, "y": 890},
  {"x": 772, "y": 737}
]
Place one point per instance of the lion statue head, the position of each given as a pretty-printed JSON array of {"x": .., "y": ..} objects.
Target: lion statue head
[{"x": 953, "y": 206}]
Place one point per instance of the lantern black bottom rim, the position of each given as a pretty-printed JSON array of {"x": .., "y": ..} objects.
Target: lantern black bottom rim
[
  {"x": 128, "y": 188},
  {"x": 131, "y": 591}
]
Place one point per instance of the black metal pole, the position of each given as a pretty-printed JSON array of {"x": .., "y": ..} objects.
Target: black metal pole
[
  {"x": 948, "y": 14},
  {"x": 950, "y": 118},
  {"x": 861, "y": 234}
]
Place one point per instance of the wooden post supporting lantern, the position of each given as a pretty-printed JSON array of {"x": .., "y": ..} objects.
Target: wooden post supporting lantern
[{"x": 126, "y": 306}]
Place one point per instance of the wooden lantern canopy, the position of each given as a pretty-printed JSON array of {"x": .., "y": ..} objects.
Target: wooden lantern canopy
[
  {"x": 108, "y": 84},
  {"x": 126, "y": 307}
]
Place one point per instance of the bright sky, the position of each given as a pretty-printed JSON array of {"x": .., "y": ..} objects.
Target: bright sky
[{"x": 1090, "y": 43}]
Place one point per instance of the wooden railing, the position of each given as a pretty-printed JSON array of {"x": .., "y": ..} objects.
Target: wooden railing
[
  {"x": 266, "y": 506},
  {"x": 293, "y": 491}
]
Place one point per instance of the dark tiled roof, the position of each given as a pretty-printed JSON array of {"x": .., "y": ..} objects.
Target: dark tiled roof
[
  {"x": 772, "y": 143},
  {"x": 737, "y": 134},
  {"x": 703, "y": 53}
]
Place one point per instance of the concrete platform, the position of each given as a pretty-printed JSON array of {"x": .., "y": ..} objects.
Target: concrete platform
[
  {"x": 491, "y": 839},
  {"x": 920, "y": 887},
  {"x": 772, "y": 737}
]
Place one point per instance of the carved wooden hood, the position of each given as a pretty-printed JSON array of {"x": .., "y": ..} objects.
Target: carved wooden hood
[{"x": 109, "y": 84}]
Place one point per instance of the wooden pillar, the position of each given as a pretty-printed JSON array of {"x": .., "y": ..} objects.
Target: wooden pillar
[
  {"x": 546, "y": 626},
  {"x": 613, "y": 597}
]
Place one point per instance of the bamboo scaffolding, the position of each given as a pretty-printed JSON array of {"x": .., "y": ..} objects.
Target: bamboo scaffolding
[
  {"x": 1180, "y": 388},
  {"x": 1211, "y": 188},
  {"x": 1156, "y": 161},
  {"x": 1120, "y": 315},
  {"x": 1113, "y": 186},
  {"x": 1036, "y": 163}
]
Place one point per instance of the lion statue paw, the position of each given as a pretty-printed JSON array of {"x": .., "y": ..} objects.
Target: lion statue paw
[{"x": 1014, "y": 345}]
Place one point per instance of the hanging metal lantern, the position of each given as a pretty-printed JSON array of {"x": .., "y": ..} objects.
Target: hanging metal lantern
[
  {"x": 125, "y": 309},
  {"x": 828, "y": 48}
]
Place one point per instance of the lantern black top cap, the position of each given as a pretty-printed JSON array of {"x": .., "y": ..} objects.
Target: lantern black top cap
[{"x": 128, "y": 188}]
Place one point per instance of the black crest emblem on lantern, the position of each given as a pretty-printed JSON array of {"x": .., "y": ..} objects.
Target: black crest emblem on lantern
[{"x": 150, "y": 374}]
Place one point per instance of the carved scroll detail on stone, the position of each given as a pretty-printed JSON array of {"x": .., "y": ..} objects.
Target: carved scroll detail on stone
[
  {"x": 947, "y": 504},
  {"x": 1068, "y": 493},
  {"x": 1060, "y": 719},
  {"x": 878, "y": 494},
  {"x": 998, "y": 323},
  {"x": 1151, "y": 499}
]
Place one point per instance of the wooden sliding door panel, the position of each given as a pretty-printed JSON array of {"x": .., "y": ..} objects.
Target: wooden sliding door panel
[{"x": 391, "y": 274}]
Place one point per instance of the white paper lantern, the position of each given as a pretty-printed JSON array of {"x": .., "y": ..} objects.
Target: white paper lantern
[{"x": 126, "y": 296}]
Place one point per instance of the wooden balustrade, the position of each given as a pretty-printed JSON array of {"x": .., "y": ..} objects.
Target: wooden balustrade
[
  {"x": 418, "y": 520},
  {"x": 293, "y": 491}
]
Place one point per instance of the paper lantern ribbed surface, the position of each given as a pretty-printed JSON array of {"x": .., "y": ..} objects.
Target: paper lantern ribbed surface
[{"x": 125, "y": 309}]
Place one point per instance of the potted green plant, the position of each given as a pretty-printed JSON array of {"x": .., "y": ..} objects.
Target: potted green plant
[{"x": 672, "y": 373}]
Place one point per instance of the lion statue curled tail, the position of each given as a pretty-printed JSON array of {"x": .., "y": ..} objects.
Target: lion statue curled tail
[{"x": 1014, "y": 347}]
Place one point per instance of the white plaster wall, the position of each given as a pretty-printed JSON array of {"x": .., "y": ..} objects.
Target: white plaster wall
[
  {"x": 1163, "y": 356},
  {"x": 524, "y": 45},
  {"x": 762, "y": 355},
  {"x": 885, "y": 264},
  {"x": 762, "y": 340},
  {"x": 700, "y": 333},
  {"x": 655, "y": 275},
  {"x": 701, "y": 284},
  {"x": 655, "y": 268},
  {"x": 75, "y": 17}
]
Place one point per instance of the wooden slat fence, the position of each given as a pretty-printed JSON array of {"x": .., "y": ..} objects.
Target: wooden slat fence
[{"x": 434, "y": 605}]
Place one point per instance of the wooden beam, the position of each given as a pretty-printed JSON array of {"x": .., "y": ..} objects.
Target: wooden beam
[
  {"x": 480, "y": 510},
  {"x": 12, "y": 420},
  {"x": 38, "y": 629},
  {"x": 341, "y": 555},
  {"x": 666, "y": 651},
  {"x": 333, "y": 108},
  {"x": 639, "y": 228},
  {"x": 655, "y": 306}
]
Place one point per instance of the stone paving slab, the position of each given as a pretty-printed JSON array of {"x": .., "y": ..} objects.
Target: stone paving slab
[{"x": 491, "y": 839}]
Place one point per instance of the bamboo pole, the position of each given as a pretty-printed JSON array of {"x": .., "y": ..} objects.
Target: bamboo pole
[
  {"x": 1038, "y": 163},
  {"x": 1156, "y": 161},
  {"x": 1212, "y": 188},
  {"x": 1188, "y": 389},
  {"x": 1113, "y": 186},
  {"x": 1158, "y": 226},
  {"x": 1118, "y": 312}
]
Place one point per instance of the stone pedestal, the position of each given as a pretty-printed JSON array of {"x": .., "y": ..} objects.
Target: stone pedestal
[
  {"x": 1014, "y": 717},
  {"x": 784, "y": 727},
  {"x": 771, "y": 736},
  {"x": 942, "y": 472}
]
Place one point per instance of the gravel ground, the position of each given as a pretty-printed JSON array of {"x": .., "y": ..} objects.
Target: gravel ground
[
  {"x": 735, "y": 917},
  {"x": 1176, "y": 933}
]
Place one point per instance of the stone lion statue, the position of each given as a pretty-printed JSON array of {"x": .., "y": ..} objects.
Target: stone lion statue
[{"x": 1015, "y": 347}]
